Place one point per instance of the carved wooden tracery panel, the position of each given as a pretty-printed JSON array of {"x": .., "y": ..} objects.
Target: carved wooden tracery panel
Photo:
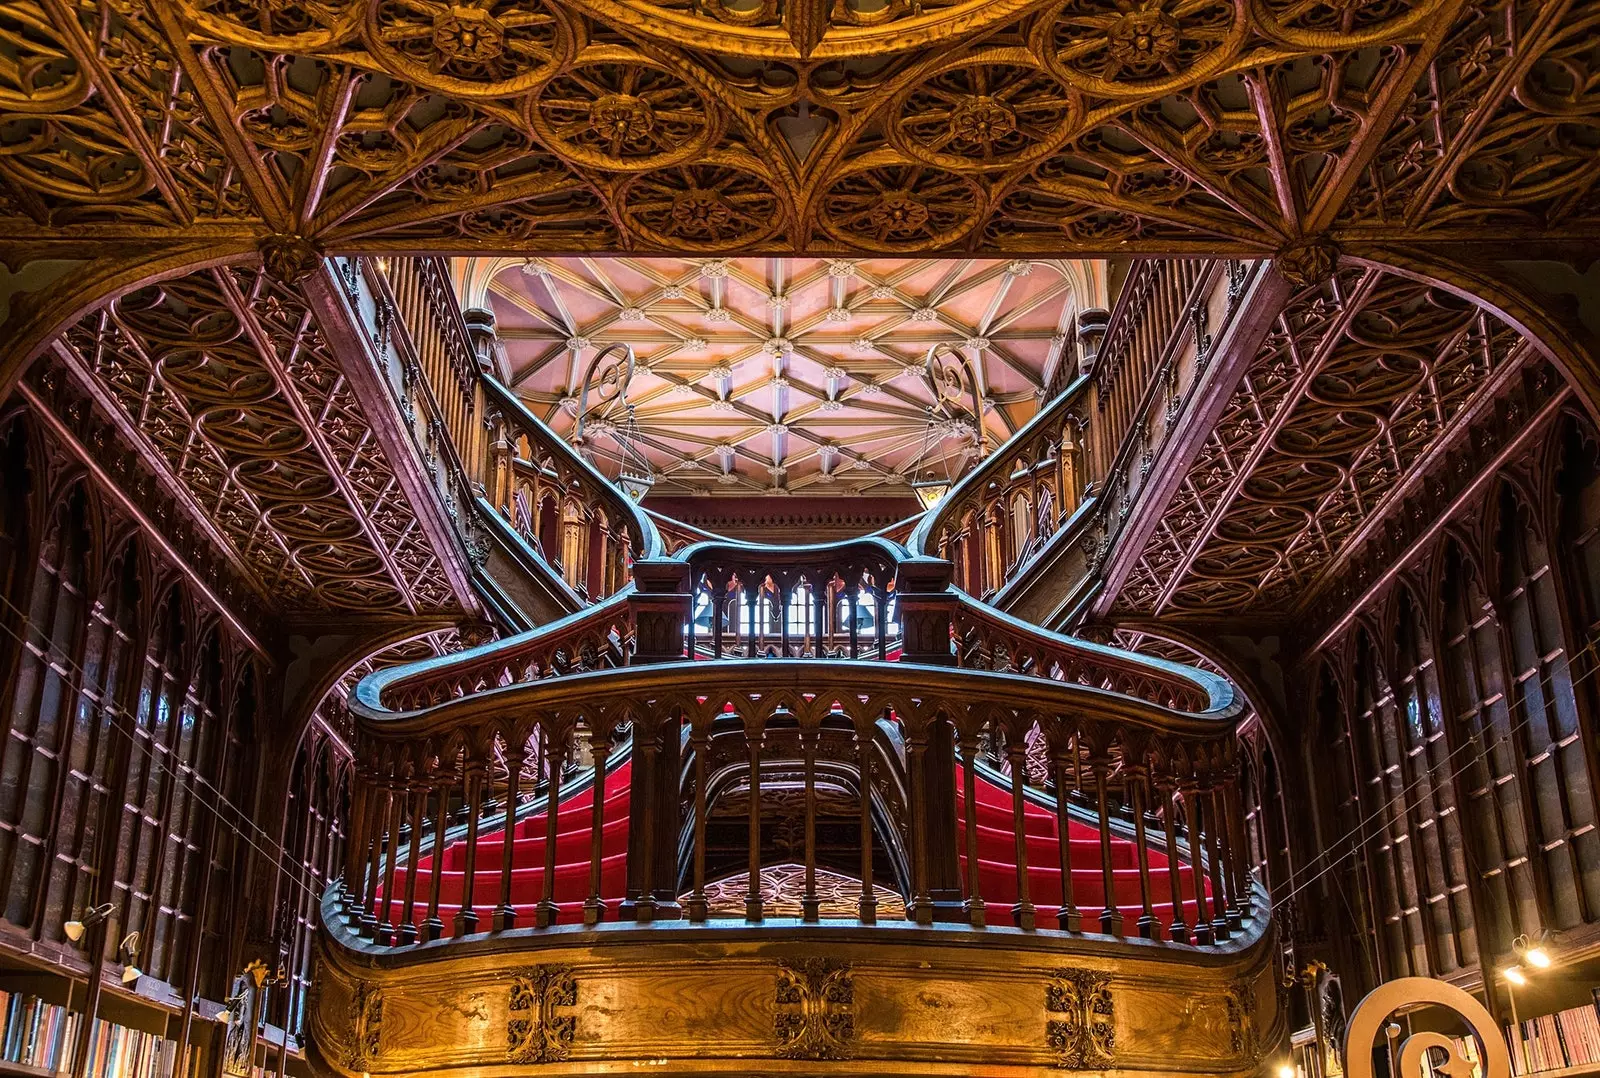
[
  {"x": 226, "y": 382},
  {"x": 800, "y": 125},
  {"x": 1360, "y": 380}
]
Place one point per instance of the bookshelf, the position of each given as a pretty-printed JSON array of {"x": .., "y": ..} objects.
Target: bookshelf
[{"x": 1565, "y": 1044}]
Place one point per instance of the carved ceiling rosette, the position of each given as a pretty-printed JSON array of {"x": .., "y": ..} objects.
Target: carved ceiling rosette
[
  {"x": 983, "y": 114},
  {"x": 703, "y": 207},
  {"x": 897, "y": 207},
  {"x": 623, "y": 114},
  {"x": 487, "y": 49},
  {"x": 1128, "y": 48}
]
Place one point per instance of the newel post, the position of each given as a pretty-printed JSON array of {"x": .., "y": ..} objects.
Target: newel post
[
  {"x": 927, "y": 610},
  {"x": 927, "y": 619},
  {"x": 659, "y": 609}
]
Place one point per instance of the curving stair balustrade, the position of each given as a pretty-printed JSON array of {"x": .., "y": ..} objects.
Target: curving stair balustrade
[
  {"x": 791, "y": 810},
  {"x": 827, "y": 826}
]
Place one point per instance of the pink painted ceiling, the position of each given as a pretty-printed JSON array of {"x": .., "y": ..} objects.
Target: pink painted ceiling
[{"x": 797, "y": 376}]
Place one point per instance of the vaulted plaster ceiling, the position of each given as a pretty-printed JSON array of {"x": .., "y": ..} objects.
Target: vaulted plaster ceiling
[{"x": 786, "y": 375}]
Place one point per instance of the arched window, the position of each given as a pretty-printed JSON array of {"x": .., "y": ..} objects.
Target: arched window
[
  {"x": 42, "y": 705},
  {"x": 232, "y": 764},
  {"x": 1472, "y": 679},
  {"x": 1021, "y": 526},
  {"x": 1346, "y": 813},
  {"x": 1545, "y": 717},
  {"x": 1434, "y": 827},
  {"x": 157, "y": 722},
  {"x": 1380, "y": 768}
]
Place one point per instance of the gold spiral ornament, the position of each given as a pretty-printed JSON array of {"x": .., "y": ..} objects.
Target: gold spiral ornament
[{"x": 1373, "y": 1012}]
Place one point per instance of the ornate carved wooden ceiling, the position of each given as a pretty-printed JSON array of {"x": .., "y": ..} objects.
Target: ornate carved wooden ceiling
[
  {"x": 788, "y": 375},
  {"x": 225, "y": 382},
  {"x": 1345, "y": 411},
  {"x": 883, "y": 126}
]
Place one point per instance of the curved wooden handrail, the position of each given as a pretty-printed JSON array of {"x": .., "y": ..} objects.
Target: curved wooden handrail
[
  {"x": 597, "y": 637},
  {"x": 544, "y": 488},
  {"x": 1037, "y": 433},
  {"x": 686, "y": 684},
  {"x": 987, "y": 638}
]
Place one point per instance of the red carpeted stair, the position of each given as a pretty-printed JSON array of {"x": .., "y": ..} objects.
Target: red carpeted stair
[
  {"x": 996, "y": 853},
  {"x": 997, "y": 859},
  {"x": 573, "y": 836}
]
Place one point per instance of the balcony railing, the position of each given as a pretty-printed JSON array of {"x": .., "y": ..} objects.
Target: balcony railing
[
  {"x": 973, "y": 706},
  {"x": 572, "y": 516},
  {"x": 1070, "y": 473},
  {"x": 485, "y": 451}
]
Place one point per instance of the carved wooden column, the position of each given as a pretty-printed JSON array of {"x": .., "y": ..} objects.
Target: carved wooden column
[
  {"x": 927, "y": 615},
  {"x": 659, "y": 609}
]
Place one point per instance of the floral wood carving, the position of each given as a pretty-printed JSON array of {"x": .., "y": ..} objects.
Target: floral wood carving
[
  {"x": 1244, "y": 1039},
  {"x": 1079, "y": 1024},
  {"x": 1362, "y": 377},
  {"x": 815, "y": 1016},
  {"x": 366, "y": 1024},
  {"x": 541, "y": 1023},
  {"x": 557, "y": 125}
]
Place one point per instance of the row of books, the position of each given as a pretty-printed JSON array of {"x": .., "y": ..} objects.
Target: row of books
[
  {"x": 1568, "y": 1038},
  {"x": 43, "y": 1035},
  {"x": 1552, "y": 1042}
]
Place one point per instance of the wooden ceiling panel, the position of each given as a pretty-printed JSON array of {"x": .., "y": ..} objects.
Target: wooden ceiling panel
[
  {"x": 978, "y": 127},
  {"x": 788, "y": 375}
]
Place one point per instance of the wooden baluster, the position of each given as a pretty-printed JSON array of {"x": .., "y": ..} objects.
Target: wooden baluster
[
  {"x": 547, "y": 912},
  {"x": 852, "y": 593},
  {"x": 386, "y": 925},
  {"x": 1022, "y": 914},
  {"x": 819, "y": 603},
  {"x": 594, "y": 907},
  {"x": 377, "y": 815},
  {"x": 1242, "y": 890},
  {"x": 1110, "y": 915},
  {"x": 647, "y": 744},
  {"x": 433, "y": 927},
  {"x": 505, "y": 914},
  {"x": 754, "y": 733},
  {"x": 869, "y": 898},
  {"x": 688, "y": 632},
  {"x": 699, "y": 744},
  {"x": 921, "y": 909},
  {"x": 1067, "y": 917},
  {"x": 881, "y": 596},
  {"x": 466, "y": 921},
  {"x": 417, "y": 792},
  {"x": 719, "y": 614},
  {"x": 810, "y": 904},
  {"x": 1219, "y": 896},
  {"x": 1178, "y": 931},
  {"x": 974, "y": 906},
  {"x": 1137, "y": 776},
  {"x": 355, "y": 859},
  {"x": 1230, "y": 859},
  {"x": 784, "y": 594},
  {"x": 1197, "y": 871}
]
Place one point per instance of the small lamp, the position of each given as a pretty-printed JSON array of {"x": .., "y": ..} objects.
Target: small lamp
[
  {"x": 75, "y": 929},
  {"x": 128, "y": 950}
]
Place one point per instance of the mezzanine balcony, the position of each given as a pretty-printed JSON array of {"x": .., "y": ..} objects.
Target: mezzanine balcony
[{"x": 766, "y": 807}]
